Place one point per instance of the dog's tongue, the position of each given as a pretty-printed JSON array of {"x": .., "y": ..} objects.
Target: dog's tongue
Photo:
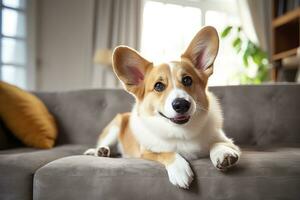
[{"x": 180, "y": 117}]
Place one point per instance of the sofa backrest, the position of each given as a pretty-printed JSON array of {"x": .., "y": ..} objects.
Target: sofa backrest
[
  {"x": 81, "y": 115},
  {"x": 253, "y": 115},
  {"x": 261, "y": 115}
]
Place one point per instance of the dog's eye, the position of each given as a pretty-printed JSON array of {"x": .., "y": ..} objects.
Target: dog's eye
[
  {"x": 159, "y": 86},
  {"x": 187, "y": 81}
]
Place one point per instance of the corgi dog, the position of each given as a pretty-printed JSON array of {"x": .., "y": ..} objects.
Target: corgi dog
[{"x": 175, "y": 117}]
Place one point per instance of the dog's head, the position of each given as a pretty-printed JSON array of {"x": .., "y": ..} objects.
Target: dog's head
[{"x": 173, "y": 91}]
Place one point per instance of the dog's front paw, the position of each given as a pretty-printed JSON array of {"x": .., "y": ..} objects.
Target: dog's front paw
[
  {"x": 99, "y": 151},
  {"x": 180, "y": 173},
  {"x": 103, "y": 151},
  {"x": 224, "y": 157}
]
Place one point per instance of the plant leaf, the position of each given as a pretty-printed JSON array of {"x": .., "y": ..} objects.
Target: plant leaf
[
  {"x": 257, "y": 59},
  {"x": 245, "y": 58},
  {"x": 236, "y": 42},
  {"x": 226, "y": 31}
]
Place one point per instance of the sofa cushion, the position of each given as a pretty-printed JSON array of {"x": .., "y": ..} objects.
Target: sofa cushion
[
  {"x": 17, "y": 167},
  {"x": 267, "y": 174}
]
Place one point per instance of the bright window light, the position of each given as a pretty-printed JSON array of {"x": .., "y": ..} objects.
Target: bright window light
[
  {"x": 166, "y": 32},
  {"x": 14, "y": 75},
  {"x": 226, "y": 66},
  {"x": 14, "y": 3},
  {"x": 13, "y": 51},
  {"x": 168, "y": 29},
  {"x": 13, "y": 23}
]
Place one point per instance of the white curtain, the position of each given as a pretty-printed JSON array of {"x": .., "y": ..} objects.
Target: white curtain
[
  {"x": 116, "y": 22},
  {"x": 256, "y": 20}
]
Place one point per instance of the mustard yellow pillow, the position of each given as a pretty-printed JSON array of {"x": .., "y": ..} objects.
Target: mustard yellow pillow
[{"x": 27, "y": 117}]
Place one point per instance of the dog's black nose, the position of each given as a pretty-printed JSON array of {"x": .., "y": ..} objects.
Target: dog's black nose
[{"x": 181, "y": 105}]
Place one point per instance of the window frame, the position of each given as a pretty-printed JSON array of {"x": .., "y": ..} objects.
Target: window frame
[{"x": 29, "y": 66}]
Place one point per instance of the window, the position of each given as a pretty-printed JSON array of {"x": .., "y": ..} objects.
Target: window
[
  {"x": 165, "y": 31},
  {"x": 169, "y": 26},
  {"x": 13, "y": 42}
]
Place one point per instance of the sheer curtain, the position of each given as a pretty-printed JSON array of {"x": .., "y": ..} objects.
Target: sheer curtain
[
  {"x": 256, "y": 19},
  {"x": 116, "y": 22}
]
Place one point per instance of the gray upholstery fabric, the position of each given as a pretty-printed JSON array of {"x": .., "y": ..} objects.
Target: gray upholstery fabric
[
  {"x": 81, "y": 115},
  {"x": 257, "y": 115},
  {"x": 261, "y": 115},
  {"x": 17, "y": 167},
  {"x": 268, "y": 174}
]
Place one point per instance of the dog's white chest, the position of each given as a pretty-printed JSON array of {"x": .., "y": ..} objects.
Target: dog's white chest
[
  {"x": 191, "y": 150},
  {"x": 149, "y": 139}
]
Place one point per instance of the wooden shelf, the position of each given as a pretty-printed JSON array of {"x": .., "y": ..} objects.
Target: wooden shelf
[
  {"x": 285, "y": 36},
  {"x": 292, "y": 15},
  {"x": 285, "y": 54}
]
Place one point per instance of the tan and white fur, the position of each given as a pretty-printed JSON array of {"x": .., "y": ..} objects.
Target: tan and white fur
[{"x": 175, "y": 117}]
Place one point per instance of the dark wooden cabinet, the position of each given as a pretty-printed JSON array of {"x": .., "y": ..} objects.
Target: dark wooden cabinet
[{"x": 285, "y": 32}]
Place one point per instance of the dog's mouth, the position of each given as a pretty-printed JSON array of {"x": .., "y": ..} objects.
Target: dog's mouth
[{"x": 180, "y": 119}]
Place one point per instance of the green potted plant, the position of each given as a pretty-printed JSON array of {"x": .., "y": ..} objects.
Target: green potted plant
[{"x": 254, "y": 58}]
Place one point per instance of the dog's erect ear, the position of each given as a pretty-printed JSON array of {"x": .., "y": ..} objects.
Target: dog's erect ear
[
  {"x": 203, "y": 49},
  {"x": 130, "y": 67}
]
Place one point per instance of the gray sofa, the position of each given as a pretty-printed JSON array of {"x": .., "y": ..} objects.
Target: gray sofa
[{"x": 263, "y": 120}]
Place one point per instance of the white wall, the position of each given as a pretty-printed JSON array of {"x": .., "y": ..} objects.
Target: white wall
[{"x": 64, "y": 44}]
